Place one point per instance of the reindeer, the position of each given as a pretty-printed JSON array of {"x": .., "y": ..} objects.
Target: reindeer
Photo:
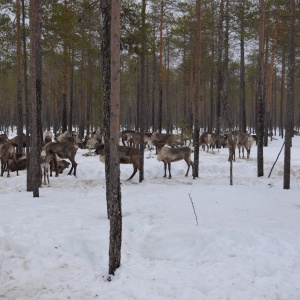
[
  {"x": 7, "y": 152},
  {"x": 128, "y": 155},
  {"x": 231, "y": 145},
  {"x": 134, "y": 139},
  {"x": 123, "y": 136},
  {"x": 168, "y": 155},
  {"x": 244, "y": 140},
  {"x": 14, "y": 141},
  {"x": 47, "y": 136},
  {"x": 67, "y": 133},
  {"x": 206, "y": 140},
  {"x": 95, "y": 138},
  {"x": 19, "y": 165},
  {"x": 161, "y": 139},
  {"x": 63, "y": 150},
  {"x": 45, "y": 166}
]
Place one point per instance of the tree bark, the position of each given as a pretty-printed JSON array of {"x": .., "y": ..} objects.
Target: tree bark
[
  {"x": 270, "y": 82},
  {"x": 220, "y": 67},
  {"x": 242, "y": 121},
  {"x": 260, "y": 95},
  {"x": 106, "y": 86},
  {"x": 114, "y": 175},
  {"x": 19, "y": 82},
  {"x": 35, "y": 80},
  {"x": 282, "y": 92},
  {"x": 142, "y": 93},
  {"x": 160, "y": 67},
  {"x": 197, "y": 93},
  {"x": 289, "y": 117},
  {"x": 27, "y": 104}
]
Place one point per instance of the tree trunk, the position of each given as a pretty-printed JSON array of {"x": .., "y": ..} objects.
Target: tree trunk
[
  {"x": 197, "y": 93},
  {"x": 270, "y": 81},
  {"x": 289, "y": 116},
  {"x": 114, "y": 133},
  {"x": 242, "y": 119},
  {"x": 220, "y": 67},
  {"x": 19, "y": 82},
  {"x": 27, "y": 104},
  {"x": 35, "y": 80},
  {"x": 71, "y": 92},
  {"x": 260, "y": 95},
  {"x": 160, "y": 67},
  {"x": 142, "y": 99},
  {"x": 282, "y": 92}
]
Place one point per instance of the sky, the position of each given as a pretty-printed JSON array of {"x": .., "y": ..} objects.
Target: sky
[{"x": 246, "y": 244}]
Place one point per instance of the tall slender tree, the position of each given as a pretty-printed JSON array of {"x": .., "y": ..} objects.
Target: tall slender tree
[
  {"x": 19, "y": 81},
  {"x": 197, "y": 92},
  {"x": 111, "y": 83},
  {"x": 36, "y": 85},
  {"x": 142, "y": 99},
  {"x": 260, "y": 107},
  {"x": 161, "y": 66},
  {"x": 289, "y": 116}
]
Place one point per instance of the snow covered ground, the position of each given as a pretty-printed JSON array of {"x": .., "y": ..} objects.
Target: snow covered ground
[{"x": 246, "y": 244}]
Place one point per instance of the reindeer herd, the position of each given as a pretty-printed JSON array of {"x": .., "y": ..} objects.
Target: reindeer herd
[{"x": 168, "y": 150}]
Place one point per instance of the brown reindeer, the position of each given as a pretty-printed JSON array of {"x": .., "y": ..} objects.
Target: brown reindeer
[
  {"x": 206, "y": 140},
  {"x": 47, "y": 136},
  {"x": 168, "y": 155},
  {"x": 7, "y": 152},
  {"x": 134, "y": 139},
  {"x": 21, "y": 163},
  {"x": 161, "y": 139},
  {"x": 244, "y": 140},
  {"x": 123, "y": 136},
  {"x": 231, "y": 145},
  {"x": 128, "y": 155},
  {"x": 63, "y": 150}
]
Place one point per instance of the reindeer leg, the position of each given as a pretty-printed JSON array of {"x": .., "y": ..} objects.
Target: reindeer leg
[
  {"x": 134, "y": 172},
  {"x": 74, "y": 166},
  {"x": 188, "y": 169},
  {"x": 8, "y": 175},
  {"x": 165, "y": 166},
  {"x": 169, "y": 167},
  {"x": 47, "y": 173}
]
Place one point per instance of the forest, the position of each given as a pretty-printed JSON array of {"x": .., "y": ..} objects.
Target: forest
[
  {"x": 156, "y": 66},
  {"x": 166, "y": 43}
]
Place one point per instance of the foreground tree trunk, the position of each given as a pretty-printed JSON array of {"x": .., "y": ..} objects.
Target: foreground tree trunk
[
  {"x": 260, "y": 95},
  {"x": 142, "y": 99},
  {"x": 36, "y": 84},
  {"x": 197, "y": 93},
  {"x": 289, "y": 116},
  {"x": 111, "y": 87}
]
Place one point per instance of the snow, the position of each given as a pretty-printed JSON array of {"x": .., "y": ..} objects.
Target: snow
[{"x": 246, "y": 244}]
